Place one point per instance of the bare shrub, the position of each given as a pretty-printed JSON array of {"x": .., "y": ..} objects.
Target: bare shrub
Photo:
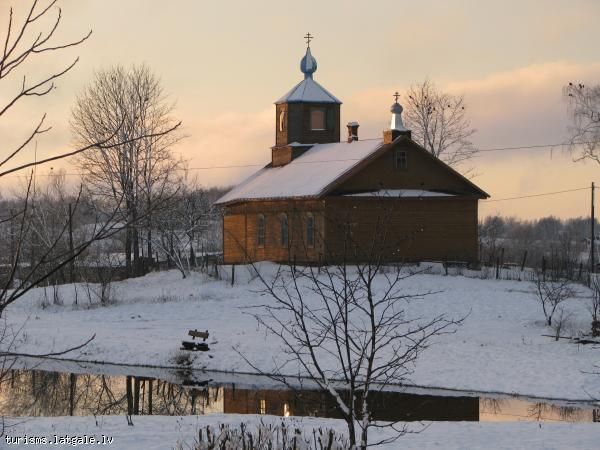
[
  {"x": 560, "y": 323},
  {"x": 266, "y": 437},
  {"x": 551, "y": 293},
  {"x": 594, "y": 307}
]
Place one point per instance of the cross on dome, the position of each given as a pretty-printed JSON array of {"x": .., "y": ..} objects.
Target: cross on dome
[
  {"x": 396, "y": 110},
  {"x": 308, "y": 64},
  {"x": 309, "y": 37}
]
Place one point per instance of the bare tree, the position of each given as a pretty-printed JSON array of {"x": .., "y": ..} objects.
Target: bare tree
[
  {"x": 551, "y": 293},
  {"x": 438, "y": 122},
  {"x": 21, "y": 42},
  {"x": 19, "y": 47},
  {"x": 584, "y": 108},
  {"x": 180, "y": 225},
  {"x": 346, "y": 327},
  {"x": 142, "y": 172}
]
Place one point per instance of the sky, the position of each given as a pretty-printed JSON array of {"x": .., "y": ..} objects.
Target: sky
[{"x": 223, "y": 64}]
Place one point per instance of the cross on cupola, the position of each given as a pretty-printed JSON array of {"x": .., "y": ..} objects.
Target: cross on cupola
[
  {"x": 309, "y": 37},
  {"x": 397, "y": 127},
  {"x": 308, "y": 113}
]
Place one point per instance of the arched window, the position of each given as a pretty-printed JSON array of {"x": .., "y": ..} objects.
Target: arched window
[
  {"x": 310, "y": 230},
  {"x": 284, "y": 235},
  {"x": 260, "y": 230}
]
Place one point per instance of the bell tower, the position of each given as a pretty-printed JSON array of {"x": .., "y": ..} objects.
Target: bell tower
[{"x": 308, "y": 113}]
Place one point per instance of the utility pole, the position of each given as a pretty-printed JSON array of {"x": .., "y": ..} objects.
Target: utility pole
[{"x": 592, "y": 262}]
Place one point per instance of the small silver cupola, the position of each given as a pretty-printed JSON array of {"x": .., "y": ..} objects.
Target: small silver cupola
[
  {"x": 308, "y": 64},
  {"x": 396, "y": 110}
]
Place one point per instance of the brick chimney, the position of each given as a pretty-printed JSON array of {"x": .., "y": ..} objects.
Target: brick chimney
[{"x": 352, "y": 131}]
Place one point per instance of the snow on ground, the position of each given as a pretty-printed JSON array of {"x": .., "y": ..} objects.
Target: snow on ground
[
  {"x": 161, "y": 432},
  {"x": 500, "y": 347}
]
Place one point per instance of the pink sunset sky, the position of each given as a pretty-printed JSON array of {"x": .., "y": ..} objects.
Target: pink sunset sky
[{"x": 225, "y": 63}]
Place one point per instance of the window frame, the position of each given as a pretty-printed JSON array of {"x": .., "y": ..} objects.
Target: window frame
[
  {"x": 260, "y": 230},
  {"x": 323, "y": 111},
  {"x": 281, "y": 119},
  {"x": 310, "y": 230},
  {"x": 403, "y": 166},
  {"x": 284, "y": 230}
]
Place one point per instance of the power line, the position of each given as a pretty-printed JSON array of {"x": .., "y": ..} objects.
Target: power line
[
  {"x": 244, "y": 166},
  {"x": 534, "y": 146},
  {"x": 544, "y": 194}
]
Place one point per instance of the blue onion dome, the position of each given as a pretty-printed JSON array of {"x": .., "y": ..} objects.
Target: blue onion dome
[
  {"x": 396, "y": 108},
  {"x": 308, "y": 65}
]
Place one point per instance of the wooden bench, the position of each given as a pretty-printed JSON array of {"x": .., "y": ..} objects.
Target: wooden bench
[{"x": 196, "y": 346}]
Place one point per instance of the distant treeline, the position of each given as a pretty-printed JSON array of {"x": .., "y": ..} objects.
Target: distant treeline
[{"x": 549, "y": 242}]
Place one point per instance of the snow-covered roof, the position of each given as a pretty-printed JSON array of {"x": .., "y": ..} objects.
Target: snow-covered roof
[
  {"x": 308, "y": 91},
  {"x": 406, "y": 193},
  {"x": 307, "y": 175}
]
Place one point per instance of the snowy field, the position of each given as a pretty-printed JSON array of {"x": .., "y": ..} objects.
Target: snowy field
[
  {"x": 499, "y": 348},
  {"x": 159, "y": 433}
]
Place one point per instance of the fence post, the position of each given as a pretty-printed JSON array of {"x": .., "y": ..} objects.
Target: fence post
[
  {"x": 523, "y": 261},
  {"x": 232, "y": 274},
  {"x": 497, "y": 267}
]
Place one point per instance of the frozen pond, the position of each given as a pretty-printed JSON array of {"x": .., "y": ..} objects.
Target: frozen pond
[{"x": 46, "y": 387}]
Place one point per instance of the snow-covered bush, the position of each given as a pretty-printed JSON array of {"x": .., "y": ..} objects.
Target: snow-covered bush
[{"x": 282, "y": 436}]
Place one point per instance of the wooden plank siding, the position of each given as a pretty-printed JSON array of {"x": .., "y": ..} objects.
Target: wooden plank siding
[
  {"x": 422, "y": 172},
  {"x": 297, "y": 123},
  {"x": 241, "y": 232},
  {"x": 414, "y": 229},
  {"x": 405, "y": 229}
]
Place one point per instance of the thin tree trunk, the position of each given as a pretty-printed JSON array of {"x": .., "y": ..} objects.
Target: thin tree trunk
[
  {"x": 150, "y": 397},
  {"x": 129, "y": 396},
  {"x": 136, "y": 395},
  {"x": 128, "y": 250},
  {"x": 72, "y": 385}
]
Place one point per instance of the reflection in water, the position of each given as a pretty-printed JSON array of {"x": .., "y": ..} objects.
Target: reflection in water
[
  {"x": 40, "y": 393},
  {"x": 514, "y": 409},
  {"x": 44, "y": 393}
]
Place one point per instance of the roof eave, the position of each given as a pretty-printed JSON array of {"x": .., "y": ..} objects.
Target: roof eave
[{"x": 333, "y": 102}]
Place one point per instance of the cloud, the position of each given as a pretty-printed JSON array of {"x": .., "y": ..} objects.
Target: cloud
[
  {"x": 230, "y": 138},
  {"x": 518, "y": 107}
]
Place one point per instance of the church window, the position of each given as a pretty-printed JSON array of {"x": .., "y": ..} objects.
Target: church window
[
  {"x": 317, "y": 119},
  {"x": 260, "y": 230},
  {"x": 310, "y": 231},
  {"x": 284, "y": 234},
  {"x": 401, "y": 159},
  {"x": 282, "y": 120}
]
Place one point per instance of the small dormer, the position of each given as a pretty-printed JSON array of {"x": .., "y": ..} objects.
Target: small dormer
[{"x": 308, "y": 113}]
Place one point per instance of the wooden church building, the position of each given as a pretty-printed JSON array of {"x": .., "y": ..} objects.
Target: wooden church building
[{"x": 320, "y": 200}]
